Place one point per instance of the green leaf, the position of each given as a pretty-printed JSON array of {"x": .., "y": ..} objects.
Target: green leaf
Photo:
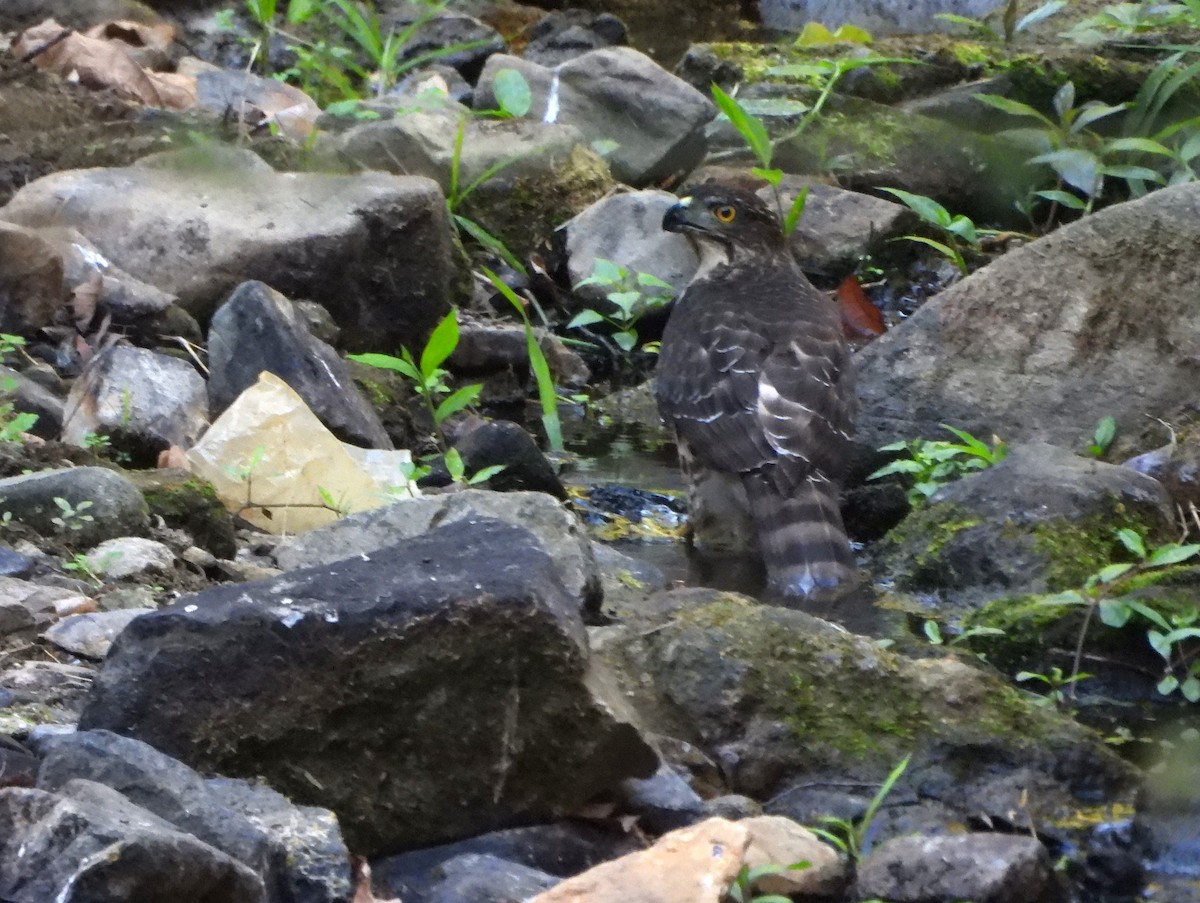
[
  {"x": 454, "y": 465},
  {"x": 950, "y": 253},
  {"x": 456, "y": 401},
  {"x": 625, "y": 301},
  {"x": 1168, "y": 685},
  {"x": 933, "y": 632},
  {"x": 1023, "y": 676},
  {"x": 902, "y": 466},
  {"x": 1148, "y": 613},
  {"x": 1144, "y": 145},
  {"x": 1065, "y": 198},
  {"x": 792, "y": 219},
  {"x": 814, "y": 34},
  {"x": 585, "y": 318},
  {"x": 1132, "y": 540},
  {"x": 489, "y": 241},
  {"x": 926, "y": 208},
  {"x": 1119, "y": 171},
  {"x": 1112, "y": 572},
  {"x": 1043, "y": 12},
  {"x": 300, "y": 11},
  {"x": 625, "y": 340},
  {"x": 1078, "y": 168},
  {"x": 852, "y": 34},
  {"x": 1114, "y": 612},
  {"x": 1014, "y": 108},
  {"x": 485, "y": 473},
  {"x": 512, "y": 92},
  {"x": 819, "y": 69},
  {"x": 753, "y": 132},
  {"x": 1064, "y": 100},
  {"x": 1172, "y": 553},
  {"x": 442, "y": 342},
  {"x": 1190, "y": 689},
  {"x": 649, "y": 280},
  {"x": 1093, "y": 112},
  {"x": 388, "y": 362},
  {"x": 1106, "y": 431},
  {"x": 604, "y": 146},
  {"x": 770, "y": 176}
]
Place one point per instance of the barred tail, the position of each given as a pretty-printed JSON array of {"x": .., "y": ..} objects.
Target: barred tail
[{"x": 804, "y": 544}]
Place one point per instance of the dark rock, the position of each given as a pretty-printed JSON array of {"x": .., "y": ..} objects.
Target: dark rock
[
  {"x": 565, "y": 34},
  {"x": 257, "y": 100},
  {"x": 91, "y": 844},
  {"x": 502, "y": 442},
  {"x": 984, "y": 868},
  {"x": 459, "y": 40},
  {"x": 14, "y": 564},
  {"x": 142, "y": 401},
  {"x": 1039, "y": 521},
  {"x": 617, "y": 94},
  {"x": 701, "y": 68},
  {"x": 1050, "y": 338},
  {"x": 17, "y": 767},
  {"x": 115, "y": 506},
  {"x": 375, "y": 661},
  {"x": 259, "y": 329},
  {"x": 663, "y": 802},
  {"x": 556, "y": 529},
  {"x": 374, "y": 249},
  {"x": 562, "y": 849},
  {"x": 473, "y": 878}
]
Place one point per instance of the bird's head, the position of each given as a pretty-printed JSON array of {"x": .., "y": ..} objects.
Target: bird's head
[{"x": 733, "y": 218}]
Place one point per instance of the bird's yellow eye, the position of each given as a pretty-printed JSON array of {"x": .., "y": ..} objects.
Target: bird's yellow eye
[{"x": 724, "y": 213}]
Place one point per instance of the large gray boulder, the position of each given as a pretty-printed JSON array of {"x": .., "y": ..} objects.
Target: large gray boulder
[
  {"x": 259, "y": 329},
  {"x": 92, "y": 504},
  {"x": 616, "y": 95},
  {"x": 1098, "y": 318},
  {"x": 430, "y": 690},
  {"x": 374, "y": 249}
]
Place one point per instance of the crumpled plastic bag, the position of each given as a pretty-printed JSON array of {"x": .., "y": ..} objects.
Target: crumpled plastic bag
[{"x": 273, "y": 463}]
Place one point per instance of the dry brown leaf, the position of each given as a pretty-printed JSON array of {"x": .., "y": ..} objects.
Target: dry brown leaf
[
  {"x": 156, "y": 35},
  {"x": 97, "y": 63}
]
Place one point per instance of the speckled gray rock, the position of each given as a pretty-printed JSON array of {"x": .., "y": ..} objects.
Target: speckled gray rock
[{"x": 114, "y": 505}]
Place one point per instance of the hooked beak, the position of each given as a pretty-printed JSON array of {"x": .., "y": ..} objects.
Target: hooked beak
[{"x": 675, "y": 219}]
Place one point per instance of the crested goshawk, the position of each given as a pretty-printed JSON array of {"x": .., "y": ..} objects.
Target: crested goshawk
[{"x": 753, "y": 376}]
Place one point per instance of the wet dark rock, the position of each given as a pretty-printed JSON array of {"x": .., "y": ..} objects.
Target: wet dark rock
[
  {"x": 377, "y": 659},
  {"x": 473, "y": 878},
  {"x": 504, "y": 443},
  {"x": 460, "y": 40},
  {"x": 985, "y": 868},
  {"x": 143, "y": 401},
  {"x": 1050, "y": 338},
  {"x": 30, "y": 397},
  {"x": 259, "y": 329},
  {"x": 1041, "y": 520},
  {"x": 555, "y": 528},
  {"x": 31, "y": 280},
  {"x": 561, "y": 849},
  {"x": 93, "y": 840},
  {"x": 663, "y": 802},
  {"x": 700, "y": 67},
  {"x": 239, "y": 95},
  {"x": 116, "y": 507},
  {"x": 617, "y": 94},
  {"x": 18, "y": 768},
  {"x": 374, "y": 249},
  {"x": 565, "y": 34}
]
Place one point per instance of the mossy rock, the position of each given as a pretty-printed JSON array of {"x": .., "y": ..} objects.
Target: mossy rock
[
  {"x": 783, "y": 695},
  {"x": 186, "y": 502}
]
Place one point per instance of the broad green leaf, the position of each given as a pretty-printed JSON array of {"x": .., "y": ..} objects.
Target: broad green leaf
[
  {"x": 512, "y": 92},
  {"x": 1132, "y": 172},
  {"x": 1133, "y": 541},
  {"x": 625, "y": 340},
  {"x": 1172, "y": 554},
  {"x": 774, "y": 107},
  {"x": 1106, "y": 431},
  {"x": 605, "y": 146},
  {"x": 964, "y": 229},
  {"x": 819, "y": 69},
  {"x": 605, "y": 272},
  {"x": 933, "y": 632},
  {"x": 300, "y": 11},
  {"x": 388, "y": 362},
  {"x": 454, "y": 465},
  {"x": 1023, "y": 676},
  {"x": 585, "y": 318},
  {"x": 814, "y": 34},
  {"x": 1114, "y": 613},
  {"x": 1190, "y": 149},
  {"x": 1014, "y": 108},
  {"x": 456, "y": 401},
  {"x": 1043, "y": 12},
  {"x": 1190, "y": 689},
  {"x": 1148, "y": 613},
  {"x": 625, "y": 301},
  {"x": 926, "y": 208},
  {"x": 1092, "y": 112},
  {"x": 1144, "y": 145},
  {"x": 953, "y": 255},
  {"x": 1112, "y": 572},
  {"x": 753, "y": 132},
  {"x": 485, "y": 473},
  {"x": 1168, "y": 685},
  {"x": 852, "y": 34},
  {"x": 1065, "y": 198},
  {"x": 1064, "y": 100},
  {"x": 1078, "y": 168},
  {"x": 442, "y": 342},
  {"x": 649, "y": 280},
  {"x": 904, "y": 466},
  {"x": 770, "y": 176}
]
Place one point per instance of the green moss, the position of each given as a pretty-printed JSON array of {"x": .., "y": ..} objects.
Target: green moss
[
  {"x": 1075, "y": 550},
  {"x": 380, "y": 395}
]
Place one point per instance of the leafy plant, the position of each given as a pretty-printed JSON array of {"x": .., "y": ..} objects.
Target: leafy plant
[
  {"x": 1055, "y": 683},
  {"x": 1010, "y": 25},
  {"x": 849, "y": 836},
  {"x": 71, "y": 517},
  {"x": 960, "y": 234},
  {"x": 79, "y": 564},
  {"x": 933, "y": 633},
  {"x": 931, "y": 463},
  {"x": 547, "y": 394},
  {"x": 1125, "y": 20},
  {"x": 427, "y": 376},
  {"x": 1180, "y": 138},
  {"x": 1102, "y": 438},
  {"x": 1080, "y": 158},
  {"x": 742, "y": 889},
  {"x": 12, "y": 423},
  {"x": 457, "y": 470},
  {"x": 632, "y": 295},
  {"x": 814, "y": 34},
  {"x": 1108, "y": 593}
]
